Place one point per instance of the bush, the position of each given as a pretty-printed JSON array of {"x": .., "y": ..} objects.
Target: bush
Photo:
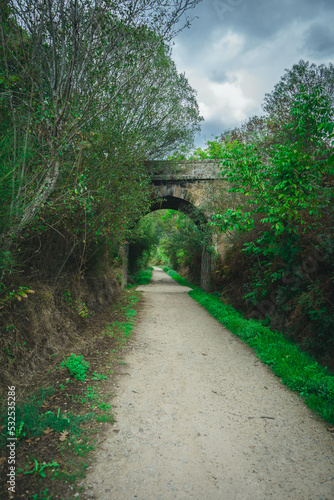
[{"x": 77, "y": 366}]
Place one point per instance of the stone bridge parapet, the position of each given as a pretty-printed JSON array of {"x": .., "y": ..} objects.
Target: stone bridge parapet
[{"x": 185, "y": 170}]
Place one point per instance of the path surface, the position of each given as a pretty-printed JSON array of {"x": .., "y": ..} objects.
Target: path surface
[{"x": 200, "y": 418}]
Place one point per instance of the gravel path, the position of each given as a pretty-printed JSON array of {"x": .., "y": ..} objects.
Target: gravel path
[{"x": 199, "y": 417}]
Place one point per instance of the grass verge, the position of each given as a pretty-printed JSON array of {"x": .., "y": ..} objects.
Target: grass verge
[
  {"x": 298, "y": 370},
  {"x": 59, "y": 424},
  {"x": 143, "y": 277}
]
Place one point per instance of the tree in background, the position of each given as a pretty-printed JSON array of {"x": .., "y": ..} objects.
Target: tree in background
[
  {"x": 271, "y": 128},
  {"x": 171, "y": 238}
]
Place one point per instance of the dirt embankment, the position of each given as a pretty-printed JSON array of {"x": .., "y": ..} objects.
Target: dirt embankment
[
  {"x": 200, "y": 417},
  {"x": 51, "y": 319}
]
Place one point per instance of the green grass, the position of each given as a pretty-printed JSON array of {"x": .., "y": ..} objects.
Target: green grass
[
  {"x": 295, "y": 368},
  {"x": 143, "y": 277},
  {"x": 32, "y": 420}
]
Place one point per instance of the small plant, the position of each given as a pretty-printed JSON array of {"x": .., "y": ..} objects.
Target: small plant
[
  {"x": 10, "y": 328},
  {"x": 82, "y": 310},
  {"x": 98, "y": 376},
  {"x": 67, "y": 296},
  {"x": 106, "y": 418},
  {"x": 44, "y": 495},
  {"x": 15, "y": 294},
  {"x": 104, "y": 406},
  {"x": 39, "y": 468},
  {"x": 125, "y": 328},
  {"x": 19, "y": 431},
  {"x": 133, "y": 300},
  {"x": 130, "y": 313},
  {"x": 108, "y": 330},
  {"x": 80, "y": 448},
  {"x": 77, "y": 366},
  {"x": 91, "y": 393}
]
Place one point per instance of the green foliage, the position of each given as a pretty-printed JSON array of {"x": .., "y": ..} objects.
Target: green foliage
[
  {"x": 39, "y": 468},
  {"x": 288, "y": 189},
  {"x": 173, "y": 238},
  {"x": 67, "y": 296},
  {"x": 78, "y": 119},
  {"x": 277, "y": 104},
  {"x": 98, "y": 376},
  {"x": 44, "y": 495},
  {"x": 181, "y": 280},
  {"x": 143, "y": 277},
  {"x": 144, "y": 242},
  {"x": 18, "y": 294},
  {"x": 26, "y": 415},
  {"x": 125, "y": 328},
  {"x": 105, "y": 418},
  {"x": 280, "y": 171},
  {"x": 77, "y": 366},
  {"x": 32, "y": 421}
]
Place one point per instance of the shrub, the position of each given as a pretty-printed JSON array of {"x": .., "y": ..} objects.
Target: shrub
[{"x": 77, "y": 366}]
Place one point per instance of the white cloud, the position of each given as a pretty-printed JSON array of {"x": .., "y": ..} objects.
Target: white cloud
[{"x": 225, "y": 102}]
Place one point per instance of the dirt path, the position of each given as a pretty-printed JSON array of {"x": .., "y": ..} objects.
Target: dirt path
[{"x": 200, "y": 418}]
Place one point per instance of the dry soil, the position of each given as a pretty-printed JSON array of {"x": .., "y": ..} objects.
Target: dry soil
[{"x": 199, "y": 417}]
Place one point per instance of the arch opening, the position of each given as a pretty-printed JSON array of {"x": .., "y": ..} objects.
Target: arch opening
[
  {"x": 180, "y": 205},
  {"x": 200, "y": 268}
]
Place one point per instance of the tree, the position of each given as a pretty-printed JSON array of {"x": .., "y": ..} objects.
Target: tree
[
  {"x": 79, "y": 115},
  {"x": 278, "y": 102},
  {"x": 159, "y": 111},
  {"x": 288, "y": 199},
  {"x": 66, "y": 63}
]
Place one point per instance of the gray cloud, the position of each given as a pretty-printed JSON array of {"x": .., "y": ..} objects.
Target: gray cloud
[
  {"x": 319, "y": 40},
  {"x": 237, "y": 50}
]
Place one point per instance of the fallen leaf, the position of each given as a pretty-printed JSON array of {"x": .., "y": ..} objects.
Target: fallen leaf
[
  {"x": 204, "y": 354},
  {"x": 30, "y": 291},
  {"x": 2, "y": 428},
  {"x": 330, "y": 429},
  {"x": 2, "y": 460},
  {"x": 18, "y": 298},
  {"x": 63, "y": 436},
  {"x": 47, "y": 430},
  {"x": 31, "y": 440}
]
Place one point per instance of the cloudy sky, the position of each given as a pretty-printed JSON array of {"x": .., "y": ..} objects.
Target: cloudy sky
[{"x": 237, "y": 50}]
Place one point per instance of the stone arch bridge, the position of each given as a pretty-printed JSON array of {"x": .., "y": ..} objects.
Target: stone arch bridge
[{"x": 181, "y": 186}]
